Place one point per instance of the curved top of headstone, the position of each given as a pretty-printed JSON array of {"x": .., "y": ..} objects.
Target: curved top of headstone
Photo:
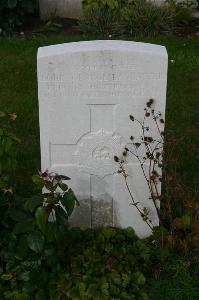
[{"x": 98, "y": 45}]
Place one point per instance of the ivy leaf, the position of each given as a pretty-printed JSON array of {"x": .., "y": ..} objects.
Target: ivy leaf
[
  {"x": 12, "y": 3},
  {"x": 36, "y": 241},
  {"x": 41, "y": 218}
]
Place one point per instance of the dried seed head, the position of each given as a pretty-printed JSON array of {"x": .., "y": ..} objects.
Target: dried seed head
[
  {"x": 12, "y": 116},
  {"x": 148, "y": 139},
  {"x": 149, "y": 103},
  {"x": 148, "y": 154},
  {"x": 126, "y": 149},
  {"x": 132, "y": 118},
  {"x": 125, "y": 153},
  {"x": 162, "y": 121},
  {"x": 147, "y": 114},
  {"x": 116, "y": 159},
  {"x": 137, "y": 145},
  {"x": 158, "y": 154},
  {"x": 131, "y": 138}
]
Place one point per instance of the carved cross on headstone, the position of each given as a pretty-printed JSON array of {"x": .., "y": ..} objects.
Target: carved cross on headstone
[{"x": 93, "y": 154}]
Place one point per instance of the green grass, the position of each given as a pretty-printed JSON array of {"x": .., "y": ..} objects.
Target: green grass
[
  {"x": 176, "y": 281},
  {"x": 18, "y": 92}
]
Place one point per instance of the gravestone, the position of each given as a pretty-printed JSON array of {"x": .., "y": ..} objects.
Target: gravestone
[
  {"x": 62, "y": 8},
  {"x": 87, "y": 90}
]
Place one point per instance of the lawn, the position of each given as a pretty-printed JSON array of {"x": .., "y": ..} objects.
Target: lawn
[{"x": 18, "y": 93}]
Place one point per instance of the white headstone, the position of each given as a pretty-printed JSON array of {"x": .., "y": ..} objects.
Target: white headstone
[
  {"x": 62, "y": 8},
  {"x": 86, "y": 92}
]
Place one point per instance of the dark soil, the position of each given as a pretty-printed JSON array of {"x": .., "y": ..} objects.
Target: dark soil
[{"x": 34, "y": 26}]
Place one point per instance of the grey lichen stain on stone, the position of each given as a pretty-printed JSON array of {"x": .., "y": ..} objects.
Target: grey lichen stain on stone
[
  {"x": 94, "y": 213},
  {"x": 102, "y": 213},
  {"x": 81, "y": 216}
]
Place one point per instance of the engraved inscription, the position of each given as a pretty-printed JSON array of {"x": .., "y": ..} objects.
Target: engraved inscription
[
  {"x": 107, "y": 80},
  {"x": 102, "y": 153}
]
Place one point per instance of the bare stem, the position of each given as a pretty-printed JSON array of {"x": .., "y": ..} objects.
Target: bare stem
[{"x": 132, "y": 198}]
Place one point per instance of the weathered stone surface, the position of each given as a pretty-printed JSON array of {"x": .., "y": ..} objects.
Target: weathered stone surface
[
  {"x": 86, "y": 92},
  {"x": 62, "y": 8}
]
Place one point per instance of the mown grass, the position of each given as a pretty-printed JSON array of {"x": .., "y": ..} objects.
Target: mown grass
[{"x": 18, "y": 93}]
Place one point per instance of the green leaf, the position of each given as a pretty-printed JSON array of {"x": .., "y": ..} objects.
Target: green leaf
[
  {"x": 17, "y": 215},
  {"x": 22, "y": 247},
  {"x": 115, "y": 278},
  {"x": 36, "y": 241},
  {"x": 8, "y": 145},
  {"x": 2, "y": 114},
  {"x": 63, "y": 186},
  {"x": 23, "y": 227},
  {"x": 139, "y": 278},
  {"x": 32, "y": 203},
  {"x": 51, "y": 231},
  {"x": 12, "y": 3},
  {"x": 25, "y": 276},
  {"x": 63, "y": 177},
  {"x": 42, "y": 295},
  {"x": 41, "y": 218},
  {"x": 51, "y": 199},
  {"x": 7, "y": 276},
  {"x": 38, "y": 181},
  {"x": 186, "y": 220},
  {"x": 3, "y": 199},
  {"x": 68, "y": 201}
]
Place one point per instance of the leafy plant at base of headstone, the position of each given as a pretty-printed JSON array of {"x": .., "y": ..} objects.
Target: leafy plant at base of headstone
[
  {"x": 105, "y": 263},
  {"x": 33, "y": 234},
  {"x": 147, "y": 151},
  {"x": 8, "y": 145},
  {"x": 59, "y": 200}
]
